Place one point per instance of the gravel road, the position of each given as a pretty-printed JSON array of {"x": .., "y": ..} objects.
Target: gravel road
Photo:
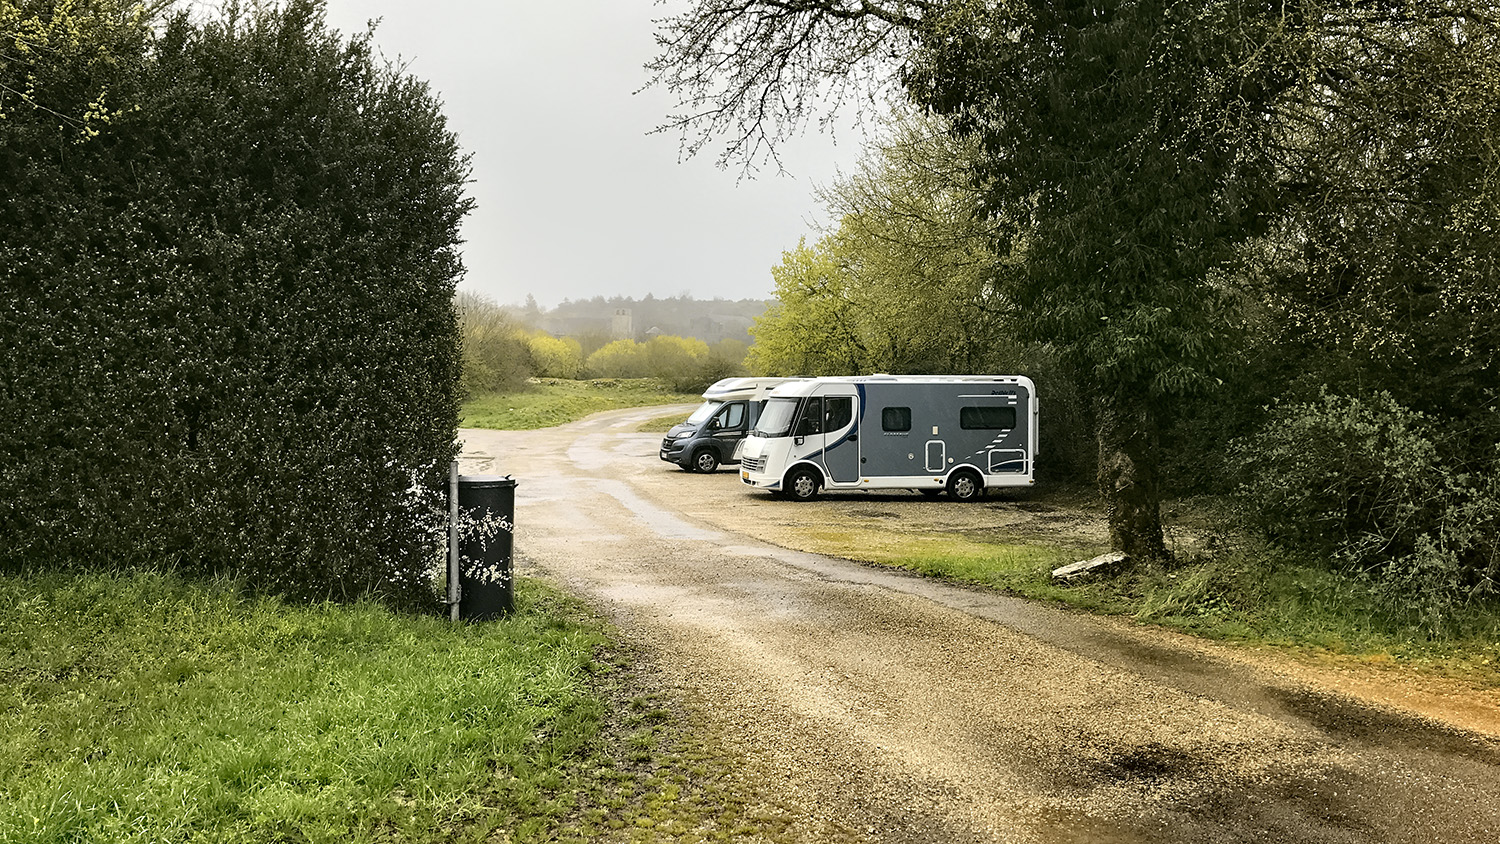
[{"x": 877, "y": 706}]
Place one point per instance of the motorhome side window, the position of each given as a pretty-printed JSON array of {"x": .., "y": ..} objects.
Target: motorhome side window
[
  {"x": 731, "y": 417},
  {"x": 812, "y": 418},
  {"x": 838, "y": 411},
  {"x": 895, "y": 419},
  {"x": 986, "y": 418}
]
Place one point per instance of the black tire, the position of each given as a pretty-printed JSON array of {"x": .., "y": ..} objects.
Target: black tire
[
  {"x": 802, "y": 484},
  {"x": 704, "y": 460},
  {"x": 965, "y": 485}
]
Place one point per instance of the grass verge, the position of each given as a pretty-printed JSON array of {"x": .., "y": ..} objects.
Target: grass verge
[
  {"x": 138, "y": 708},
  {"x": 1236, "y": 592},
  {"x": 554, "y": 401}
]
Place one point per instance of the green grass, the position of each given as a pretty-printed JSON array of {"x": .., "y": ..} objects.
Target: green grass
[
  {"x": 1244, "y": 594},
  {"x": 552, "y": 401},
  {"x": 660, "y": 424},
  {"x": 142, "y": 708}
]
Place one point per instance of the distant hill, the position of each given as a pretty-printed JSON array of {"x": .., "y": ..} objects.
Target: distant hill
[{"x": 709, "y": 320}]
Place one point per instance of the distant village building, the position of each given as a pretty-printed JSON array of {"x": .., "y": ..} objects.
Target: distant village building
[
  {"x": 713, "y": 328},
  {"x": 621, "y": 326}
]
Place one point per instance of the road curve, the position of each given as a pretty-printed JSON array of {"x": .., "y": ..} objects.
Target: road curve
[{"x": 885, "y": 707}]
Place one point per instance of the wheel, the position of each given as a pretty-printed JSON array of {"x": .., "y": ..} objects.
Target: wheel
[
  {"x": 705, "y": 461},
  {"x": 965, "y": 486},
  {"x": 802, "y": 484},
  {"x": 929, "y": 492}
]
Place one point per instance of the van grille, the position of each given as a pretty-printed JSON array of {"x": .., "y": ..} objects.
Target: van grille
[{"x": 753, "y": 464}]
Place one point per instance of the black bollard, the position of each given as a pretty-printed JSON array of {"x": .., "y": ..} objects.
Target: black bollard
[{"x": 486, "y": 519}]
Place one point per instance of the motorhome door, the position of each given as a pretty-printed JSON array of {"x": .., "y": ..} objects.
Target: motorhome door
[
  {"x": 729, "y": 426},
  {"x": 841, "y": 439}
]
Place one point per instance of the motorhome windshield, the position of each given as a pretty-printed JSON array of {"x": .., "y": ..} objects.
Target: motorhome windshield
[
  {"x": 704, "y": 411},
  {"x": 776, "y": 419}
]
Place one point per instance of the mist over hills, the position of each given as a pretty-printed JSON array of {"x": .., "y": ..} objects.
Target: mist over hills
[{"x": 709, "y": 320}]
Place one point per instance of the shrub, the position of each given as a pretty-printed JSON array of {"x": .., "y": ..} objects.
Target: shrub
[
  {"x": 1363, "y": 483},
  {"x": 229, "y": 337},
  {"x": 556, "y": 357}
]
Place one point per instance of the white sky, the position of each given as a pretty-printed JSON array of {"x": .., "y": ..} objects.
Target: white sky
[{"x": 575, "y": 198}]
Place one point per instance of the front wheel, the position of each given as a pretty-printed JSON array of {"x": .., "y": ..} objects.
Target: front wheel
[
  {"x": 705, "y": 461},
  {"x": 802, "y": 485},
  {"x": 965, "y": 486}
]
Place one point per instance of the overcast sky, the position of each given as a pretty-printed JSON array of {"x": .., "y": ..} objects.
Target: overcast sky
[{"x": 575, "y": 197}]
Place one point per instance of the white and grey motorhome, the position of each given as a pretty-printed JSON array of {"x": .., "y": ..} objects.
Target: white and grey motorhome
[
  {"x": 961, "y": 434},
  {"x": 715, "y": 432}
]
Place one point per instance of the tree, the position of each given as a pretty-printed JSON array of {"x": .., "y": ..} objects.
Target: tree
[
  {"x": 1391, "y": 258},
  {"x": 497, "y": 355},
  {"x": 678, "y": 360},
  {"x": 918, "y": 253},
  {"x": 1108, "y": 131},
  {"x": 812, "y": 328}
]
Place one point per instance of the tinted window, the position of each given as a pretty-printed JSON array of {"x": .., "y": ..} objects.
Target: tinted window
[
  {"x": 812, "y": 418},
  {"x": 731, "y": 417},
  {"x": 895, "y": 419},
  {"x": 838, "y": 412},
  {"x": 971, "y": 418}
]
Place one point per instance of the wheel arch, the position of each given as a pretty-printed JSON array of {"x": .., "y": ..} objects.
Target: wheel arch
[{"x": 805, "y": 464}]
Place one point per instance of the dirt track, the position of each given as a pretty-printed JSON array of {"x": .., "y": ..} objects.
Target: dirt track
[{"x": 884, "y": 707}]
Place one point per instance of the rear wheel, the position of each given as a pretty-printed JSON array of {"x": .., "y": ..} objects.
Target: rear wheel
[
  {"x": 965, "y": 485},
  {"x": 802, "y": 485},
  {"x": 705, "y": 461}
]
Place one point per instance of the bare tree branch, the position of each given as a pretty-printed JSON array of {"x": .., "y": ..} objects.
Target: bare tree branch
[{"x": 753, "y": 73}]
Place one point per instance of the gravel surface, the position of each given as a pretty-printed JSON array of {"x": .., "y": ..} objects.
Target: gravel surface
[{"x": 871, "y": 705}]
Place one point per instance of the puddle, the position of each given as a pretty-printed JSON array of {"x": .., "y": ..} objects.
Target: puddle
[
  {"x": 1347, "y": 719},
  {"x": 660, "y": 522}
]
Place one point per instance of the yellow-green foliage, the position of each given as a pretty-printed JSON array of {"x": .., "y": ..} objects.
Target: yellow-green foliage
[
  {"x": 618, "y": 359},
  {"x": 687, "y": 363},
  {"x": 95, "y": 38},
  {"x": 555, "y": 357},
  {"x": 497, "y": 355}
]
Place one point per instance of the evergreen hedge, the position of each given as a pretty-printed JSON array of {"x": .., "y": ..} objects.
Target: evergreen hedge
[{"x": 229, "y": 343}]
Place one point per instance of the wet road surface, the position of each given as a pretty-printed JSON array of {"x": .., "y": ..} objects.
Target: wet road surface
[{"x": 881, "y": 706}]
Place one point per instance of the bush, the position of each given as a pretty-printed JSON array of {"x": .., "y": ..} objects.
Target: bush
[
  {"x": 1363, "y": 483},
  {"x": 229, "y": 337},
  {"x": 556, "y": 357},
  {"x": 497, "y": 357}
]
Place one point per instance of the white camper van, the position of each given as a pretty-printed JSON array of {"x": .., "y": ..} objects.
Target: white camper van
[
  {"x": 716, "y": 431},
  {"x": 961, "y": 434}
]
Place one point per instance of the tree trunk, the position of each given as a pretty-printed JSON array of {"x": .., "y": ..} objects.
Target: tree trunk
[{"x": 1129, "y": 480}]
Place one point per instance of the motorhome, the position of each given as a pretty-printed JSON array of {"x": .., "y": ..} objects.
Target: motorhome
[
  {"x": 716, "y": 431},
  {"x": 959, "y": 434}
]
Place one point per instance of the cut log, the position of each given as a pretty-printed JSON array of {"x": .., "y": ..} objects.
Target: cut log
[{"x": 1083, "y": 567}]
